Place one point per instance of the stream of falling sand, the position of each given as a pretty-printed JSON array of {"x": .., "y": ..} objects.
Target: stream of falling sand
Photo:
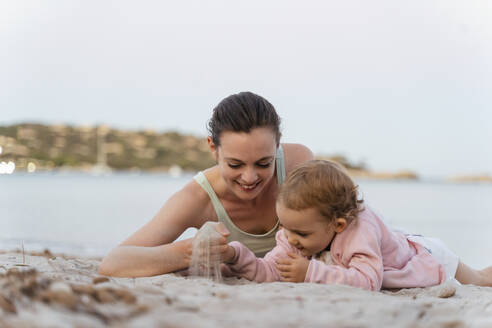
[{"x": 204, "y": 263}]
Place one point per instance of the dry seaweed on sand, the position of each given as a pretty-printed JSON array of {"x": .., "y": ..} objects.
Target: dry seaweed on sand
[
  {"x": 67, "y": 292},
  {"x": 22, "y": 288}
]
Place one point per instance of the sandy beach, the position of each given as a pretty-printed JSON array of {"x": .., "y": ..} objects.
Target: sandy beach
[{"x": 46, "y": 290}]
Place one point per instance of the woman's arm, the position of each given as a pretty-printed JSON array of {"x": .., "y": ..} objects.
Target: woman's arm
[
  {"x": 151, "y": 250},
  {"x": 145, "y": 261}
]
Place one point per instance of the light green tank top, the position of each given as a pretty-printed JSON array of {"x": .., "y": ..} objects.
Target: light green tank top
[{"x": 259, "y": 244}]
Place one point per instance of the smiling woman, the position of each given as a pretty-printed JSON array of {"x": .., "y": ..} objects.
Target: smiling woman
[
  {"x": 239, "y": 192},
  {"x": 245, "y": 160}
]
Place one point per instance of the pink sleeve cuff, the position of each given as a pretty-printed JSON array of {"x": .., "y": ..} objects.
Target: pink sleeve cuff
[
  {"x": 312, "y": 269},
  {"x": 237, "y": 250}
]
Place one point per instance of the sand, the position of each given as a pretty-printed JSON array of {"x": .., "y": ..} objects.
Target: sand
[{"x": 64, "y": 291}]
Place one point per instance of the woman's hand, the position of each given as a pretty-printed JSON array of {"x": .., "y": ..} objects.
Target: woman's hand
[
  {"x": 220, "y": 248},
  {"x": 293, "y": 268},
  {"x": 211, "y": 240}
]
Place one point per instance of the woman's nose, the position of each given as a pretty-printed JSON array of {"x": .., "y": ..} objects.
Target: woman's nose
[{"x": 249, "y": 176}]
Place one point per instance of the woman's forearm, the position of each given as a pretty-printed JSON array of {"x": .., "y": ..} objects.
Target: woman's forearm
[{"x": 139, "y": 261}]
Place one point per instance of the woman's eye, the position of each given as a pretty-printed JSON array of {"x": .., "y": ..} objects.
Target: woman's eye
[
  {"x": 302, "y": 234},
  {"x": 264, "y": 165},
  {"x": 234, "y": 166}
]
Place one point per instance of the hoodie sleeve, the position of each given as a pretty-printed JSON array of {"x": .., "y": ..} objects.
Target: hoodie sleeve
[
  {"x": 245, "y": 264},
  {"x": 357, "y": 253}
]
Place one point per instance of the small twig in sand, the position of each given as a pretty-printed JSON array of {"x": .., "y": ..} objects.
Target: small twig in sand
[{"x": 23, "y": 254}]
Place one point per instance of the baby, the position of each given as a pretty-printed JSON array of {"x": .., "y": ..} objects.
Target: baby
[{"x": 330, "y": 236}]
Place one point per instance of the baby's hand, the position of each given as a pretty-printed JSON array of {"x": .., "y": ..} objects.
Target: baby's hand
[{"x": 293, "y": 268}]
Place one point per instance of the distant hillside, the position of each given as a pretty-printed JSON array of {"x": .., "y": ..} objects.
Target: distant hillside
[
  {"x": 360, "y": 170},
  {"x": 77, "y": 147},
  {"x": 81, "y": 148},
  {"x": 343, "y": 161}
]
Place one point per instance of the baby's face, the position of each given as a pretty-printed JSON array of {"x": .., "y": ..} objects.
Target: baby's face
[{"x": 307, "y": 230}]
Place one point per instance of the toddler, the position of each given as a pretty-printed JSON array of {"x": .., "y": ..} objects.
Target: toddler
[{"x": 330, "y": 236}]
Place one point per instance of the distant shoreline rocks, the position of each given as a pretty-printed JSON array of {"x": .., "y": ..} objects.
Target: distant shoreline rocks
[
  {"x": 360, "y": 170},
  {"x": 100, "y": 149},
  {"x": 399, "y": 175},
  {"x": 472, "y": 178}
]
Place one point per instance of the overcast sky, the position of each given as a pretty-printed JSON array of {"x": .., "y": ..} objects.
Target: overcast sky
[{"x": 397, "y": 84}]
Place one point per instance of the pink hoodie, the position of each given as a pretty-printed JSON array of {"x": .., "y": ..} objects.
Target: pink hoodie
[{"x": 366, "y": 254}]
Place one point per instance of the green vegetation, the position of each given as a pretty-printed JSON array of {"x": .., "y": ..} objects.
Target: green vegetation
[
  {"x": 81, "y": 148},
  {"x": 77, "y": 147}
]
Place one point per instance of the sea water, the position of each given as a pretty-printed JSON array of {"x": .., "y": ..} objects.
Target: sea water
[{"x": 88, "y": 215}]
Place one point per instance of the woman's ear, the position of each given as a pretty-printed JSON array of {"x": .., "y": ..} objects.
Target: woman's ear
[
  {"x": 340, "y": 225},
  {"x": 213, "y": 149}
]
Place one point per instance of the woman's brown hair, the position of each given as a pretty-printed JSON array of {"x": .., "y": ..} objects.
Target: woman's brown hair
[{"x": 243, "y": 112}]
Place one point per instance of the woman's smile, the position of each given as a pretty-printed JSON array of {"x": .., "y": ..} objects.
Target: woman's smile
[{"x": 248, "y": 187}]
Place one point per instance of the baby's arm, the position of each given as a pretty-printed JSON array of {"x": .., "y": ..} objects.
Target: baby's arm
[
  {"x": 245, "y": 264},
  {"x": 358, "y": 258},
  {"x": 363, "y": 271}
]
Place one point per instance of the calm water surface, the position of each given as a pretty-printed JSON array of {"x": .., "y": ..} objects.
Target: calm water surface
[{"x": 88, "y": 215}]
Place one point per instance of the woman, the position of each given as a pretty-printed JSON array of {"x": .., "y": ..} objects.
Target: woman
[{"x": 239, "y": 191}]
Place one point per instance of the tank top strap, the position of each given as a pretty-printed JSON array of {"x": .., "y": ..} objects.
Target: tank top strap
[
  {"x": 222, "y": 216},
  {"x": 280, "y": 160}
]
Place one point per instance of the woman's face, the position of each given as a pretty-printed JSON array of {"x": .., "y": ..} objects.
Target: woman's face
[{"x": 247, "y": 160}]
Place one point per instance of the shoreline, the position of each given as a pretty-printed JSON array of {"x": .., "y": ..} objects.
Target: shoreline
[
  {"x": 365, "y": 176},
  {"x": 63, "y": 290}
]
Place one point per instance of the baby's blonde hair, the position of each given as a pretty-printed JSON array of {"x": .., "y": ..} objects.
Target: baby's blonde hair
[{"x": 323, "y": 185}]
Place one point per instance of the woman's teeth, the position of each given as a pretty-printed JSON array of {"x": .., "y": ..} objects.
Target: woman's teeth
[{"x": 248, "y": 187}]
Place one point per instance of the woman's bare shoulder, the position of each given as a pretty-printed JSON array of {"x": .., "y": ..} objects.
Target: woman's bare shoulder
[
  {"x": 186, "y": 208},
  {"x": 296, "y": 154},
  {"x": 194, "y": 196}
]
